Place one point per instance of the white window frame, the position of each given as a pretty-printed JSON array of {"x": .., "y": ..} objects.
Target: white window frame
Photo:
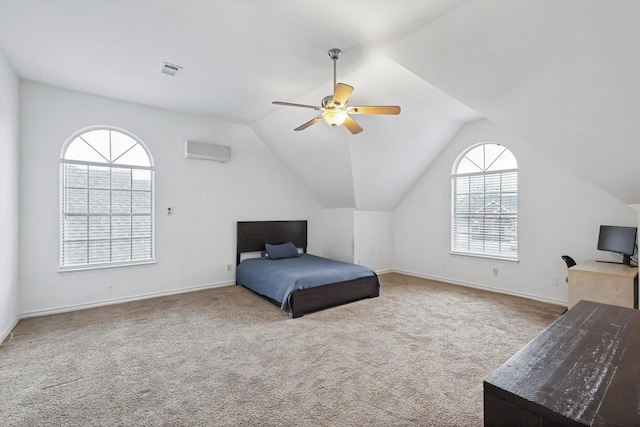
[
  {"x": 481, "y": 232},
  {"x": 111, "y": 165}
]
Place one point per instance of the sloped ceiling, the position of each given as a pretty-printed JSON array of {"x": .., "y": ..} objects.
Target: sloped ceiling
[
  {"x": 561, "y": 75},
  {"x": 372, "y": 170}
]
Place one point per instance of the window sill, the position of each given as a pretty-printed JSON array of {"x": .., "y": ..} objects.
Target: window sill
[
  {"x": 103, "y": 266},
  {"x": 490, "y": 257}
]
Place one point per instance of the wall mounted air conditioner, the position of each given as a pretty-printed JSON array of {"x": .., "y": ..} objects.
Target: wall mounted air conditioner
[{"x": 207, "y": 151}]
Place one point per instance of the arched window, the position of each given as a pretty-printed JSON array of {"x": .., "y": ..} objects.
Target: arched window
[
  {"x": 484, "y": 185},
  {"x": 106, "y": 184}
]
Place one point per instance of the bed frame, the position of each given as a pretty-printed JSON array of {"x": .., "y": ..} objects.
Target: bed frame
[{"x": 252, "y": 236}]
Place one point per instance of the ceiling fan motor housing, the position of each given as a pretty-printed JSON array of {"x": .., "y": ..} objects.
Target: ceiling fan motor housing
[{"x": 328, "y": 102}]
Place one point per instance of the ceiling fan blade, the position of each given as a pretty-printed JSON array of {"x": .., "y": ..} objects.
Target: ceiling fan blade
[
  {"x": 309, "y": 123},
  {"x": 353, "y": 127},
  {"x": 341, "y": 94},
  {"x": 383, "y": 109},
  {"x": 290, "y": 104}
]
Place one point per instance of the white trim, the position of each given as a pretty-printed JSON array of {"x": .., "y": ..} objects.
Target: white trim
[
  {"x": 7, "y": 331},
  {"x": 111, "y": 165},
  {"x": 496, "y": 172},
  {"x": 85, "y": 267},
  {"x": 109, "y": 128},
  {"x": 66, "y": 309},
  {"x": 485, "y": 256},
  {"x": 483, "y": 287},
  {"x": 103, "y": 164},
  {"x": 460, "y": 221}
]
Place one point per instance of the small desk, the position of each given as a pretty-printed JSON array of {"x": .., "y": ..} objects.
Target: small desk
[
  {"x": 582, "y": 370},
  {"x": 603, "y": 282}
]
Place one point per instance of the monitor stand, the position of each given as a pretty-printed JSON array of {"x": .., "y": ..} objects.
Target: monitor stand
[{"x": 626, "y": 260}]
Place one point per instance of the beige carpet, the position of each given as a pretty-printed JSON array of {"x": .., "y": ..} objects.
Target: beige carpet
[{"x": 416, "y": 355}]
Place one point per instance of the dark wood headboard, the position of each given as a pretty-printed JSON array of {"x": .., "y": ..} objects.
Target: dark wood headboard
[{"x": 252, "y": 235}]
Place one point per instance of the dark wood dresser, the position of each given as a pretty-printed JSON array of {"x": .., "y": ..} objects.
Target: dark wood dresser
[{"x": 583, "y": 370}]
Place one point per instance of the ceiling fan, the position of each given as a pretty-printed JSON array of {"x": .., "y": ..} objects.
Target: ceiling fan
[{"x": 335, "y": 108}]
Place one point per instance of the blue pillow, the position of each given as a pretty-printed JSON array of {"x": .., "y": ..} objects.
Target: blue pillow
[{"x": 285, "y": 250}]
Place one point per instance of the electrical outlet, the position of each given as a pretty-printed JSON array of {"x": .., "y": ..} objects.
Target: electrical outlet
[
  {"x": 111, "y": 288},
  {"x": 495, "y": 271},
  {"x": 229, "y": 267}
]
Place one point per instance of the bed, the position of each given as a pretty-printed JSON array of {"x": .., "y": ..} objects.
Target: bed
[{"x": 298, "y": 284}]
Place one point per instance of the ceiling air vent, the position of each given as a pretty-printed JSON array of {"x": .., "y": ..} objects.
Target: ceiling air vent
[{"x": 170, "y": 69}]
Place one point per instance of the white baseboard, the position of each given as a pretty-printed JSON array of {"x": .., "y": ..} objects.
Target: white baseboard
[
  {"x": 66, "y": 309},
  {"x": 7, "y": 331},
  {"x": 483, "y": 287}
]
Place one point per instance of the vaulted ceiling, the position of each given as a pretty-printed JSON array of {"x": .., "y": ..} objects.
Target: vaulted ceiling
[{"x": 561, "y": 75}]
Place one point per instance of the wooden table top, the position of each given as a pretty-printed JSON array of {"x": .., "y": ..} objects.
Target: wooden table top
[
  {"x": 606, "y": 268},
  {"x": 584, "y": 369}
]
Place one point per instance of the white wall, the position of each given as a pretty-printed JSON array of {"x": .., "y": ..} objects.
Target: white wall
[
  {"x": 360, "y": 237},
  {"x": 194, "y": 245},
  {"x": 9, "y": 291},
  {"x": 337, "y": 238},
  {"x": 559, "y": 213},
  {"x": 373, "y": 239}
]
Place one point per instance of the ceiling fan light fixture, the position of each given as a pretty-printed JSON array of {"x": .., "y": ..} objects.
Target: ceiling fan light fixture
[
  {"x": 335, "y": 108},
  {"x": 334, "y": 117}
]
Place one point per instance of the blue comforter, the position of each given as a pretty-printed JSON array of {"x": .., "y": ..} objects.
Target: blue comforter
[{"x": 276, "y": 279}]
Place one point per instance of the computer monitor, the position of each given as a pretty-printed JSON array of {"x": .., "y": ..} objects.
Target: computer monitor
[{"x": 618, "y": 239}]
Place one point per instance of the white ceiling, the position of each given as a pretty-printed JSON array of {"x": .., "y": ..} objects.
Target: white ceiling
[
  {"x": 237, "y": 55},
  {"x": 562, "y": 75}
]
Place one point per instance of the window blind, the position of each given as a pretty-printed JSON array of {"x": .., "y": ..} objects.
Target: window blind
[
  {"x": 107, "y": 215},
  {"x": 485, "y": 213}
]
